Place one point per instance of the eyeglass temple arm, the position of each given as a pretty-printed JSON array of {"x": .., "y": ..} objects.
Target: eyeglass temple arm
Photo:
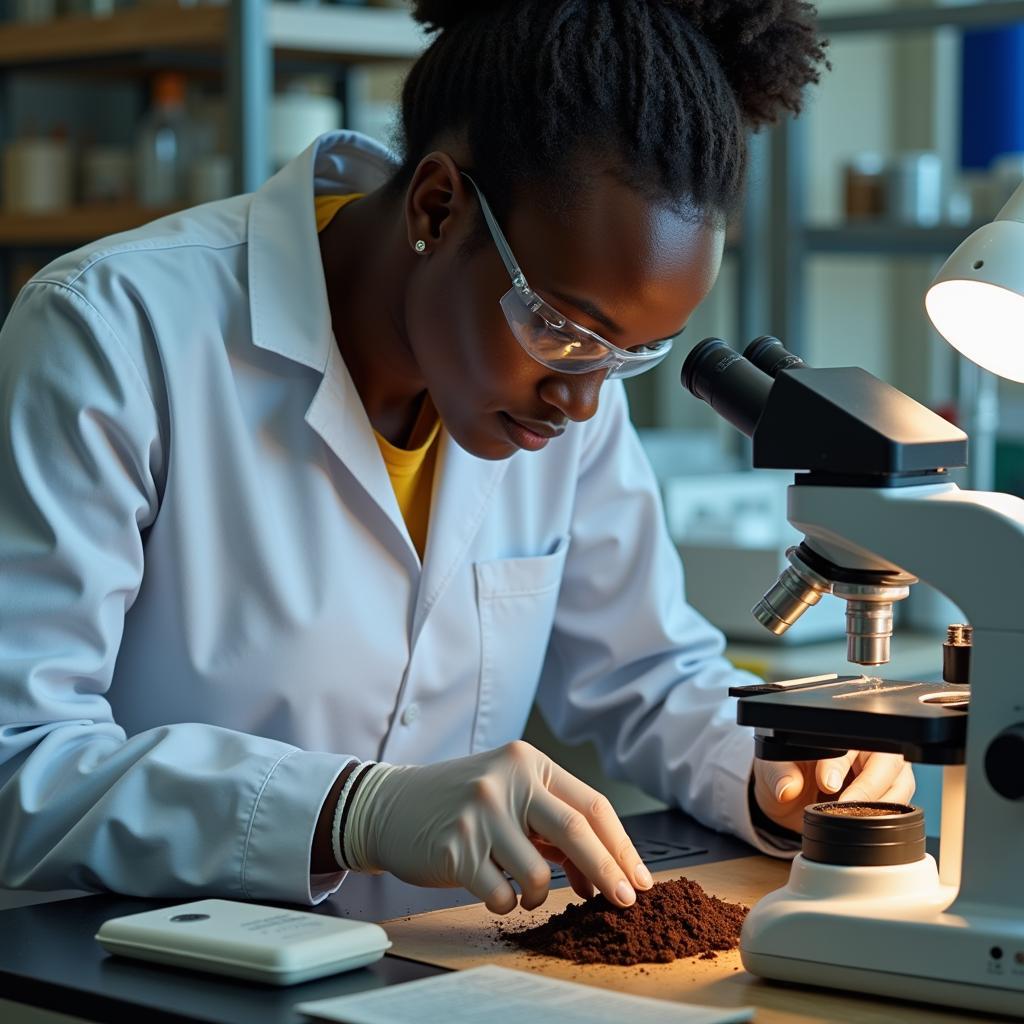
[{"x": 504, "y": 249}]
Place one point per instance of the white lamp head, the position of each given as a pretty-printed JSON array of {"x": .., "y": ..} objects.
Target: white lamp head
[{"x": 977, "y": 300}]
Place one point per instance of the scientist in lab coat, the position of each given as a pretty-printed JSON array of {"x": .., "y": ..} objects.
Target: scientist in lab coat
[{"x": 307, "y": 495}]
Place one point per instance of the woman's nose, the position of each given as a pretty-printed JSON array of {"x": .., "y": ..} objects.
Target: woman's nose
[{"x": 574, "y": 395}]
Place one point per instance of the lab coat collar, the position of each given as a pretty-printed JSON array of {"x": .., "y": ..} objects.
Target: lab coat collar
[
  {"x": 288, "y": 304},
  {"x": 291, "y": 316}
]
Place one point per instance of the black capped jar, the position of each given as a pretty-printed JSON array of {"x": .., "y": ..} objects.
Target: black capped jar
[{"x": 863, "y": 834}]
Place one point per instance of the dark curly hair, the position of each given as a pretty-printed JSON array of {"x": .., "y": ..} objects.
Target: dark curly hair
[{"x": 661, "y": 93}]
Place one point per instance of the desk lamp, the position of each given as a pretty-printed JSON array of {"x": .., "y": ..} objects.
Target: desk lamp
[{"x": 977, "y": 300}]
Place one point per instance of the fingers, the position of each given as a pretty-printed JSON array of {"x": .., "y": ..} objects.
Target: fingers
[
  {"x": 831, "y": 774},
  {"x": 490, "y": 885},
  {"x": 530, "y": 870},
  {"x": 579, "y": 881},
  {"x": 519, "y": 857},
  {"x": 604, "y": 823},
  {"x": 902, "y": 790},
  {"x": 572, "y": 832},
  {"x": 784, "y": 780},
  {"x": 580, "y": 885},
  {"x": 878, "y": 777}
]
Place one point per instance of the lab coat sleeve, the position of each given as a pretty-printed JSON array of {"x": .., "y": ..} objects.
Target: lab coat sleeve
[
  {"x": 631, "y": 666},
  {"x": 180, "y": 810}
]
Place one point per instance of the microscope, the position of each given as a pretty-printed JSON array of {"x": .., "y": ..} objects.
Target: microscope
[{"x": 866, "y": 908}]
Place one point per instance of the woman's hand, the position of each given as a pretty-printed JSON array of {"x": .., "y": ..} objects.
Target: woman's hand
[
  {"x": 784, "y": 788},
  {"x": 468, "y": 821}
]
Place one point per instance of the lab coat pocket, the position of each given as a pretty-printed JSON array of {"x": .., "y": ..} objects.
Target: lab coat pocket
[{"x": 516, "y": 600}]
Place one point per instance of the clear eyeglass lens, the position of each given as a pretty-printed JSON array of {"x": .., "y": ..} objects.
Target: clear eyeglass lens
[{"x": 568, "y": 351}]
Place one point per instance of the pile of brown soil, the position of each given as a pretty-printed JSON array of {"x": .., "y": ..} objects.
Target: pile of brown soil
[{"x": 672, "y": 920}]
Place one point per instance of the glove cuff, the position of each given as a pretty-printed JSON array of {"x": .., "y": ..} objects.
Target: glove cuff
[
  {"x": 342, "y": 811},
  {"x": 356, "y": 817}
]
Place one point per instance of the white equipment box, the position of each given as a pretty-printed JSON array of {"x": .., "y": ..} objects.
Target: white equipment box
[{"x": 245, "y": 940}]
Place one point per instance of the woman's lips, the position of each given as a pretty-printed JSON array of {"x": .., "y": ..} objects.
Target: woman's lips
[{"x": 528, "y": 438}]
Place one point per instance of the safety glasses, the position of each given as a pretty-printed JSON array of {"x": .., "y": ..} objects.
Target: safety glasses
[{"x": 551, "y": 337}]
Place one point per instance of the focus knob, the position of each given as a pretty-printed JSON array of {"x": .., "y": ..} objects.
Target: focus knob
[{"x": 1004, "y": 763}]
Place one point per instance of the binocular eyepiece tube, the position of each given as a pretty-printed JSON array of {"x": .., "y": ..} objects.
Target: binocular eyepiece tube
[
  {"x": 769, "y": 355},
  {"x": 736, "y": 386}
]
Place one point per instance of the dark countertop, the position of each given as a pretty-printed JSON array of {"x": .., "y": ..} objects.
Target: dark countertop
[{"x": 50, "y": 960}]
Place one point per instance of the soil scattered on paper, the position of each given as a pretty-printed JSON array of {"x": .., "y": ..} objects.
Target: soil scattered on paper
[{"x": 671, "y": 921}]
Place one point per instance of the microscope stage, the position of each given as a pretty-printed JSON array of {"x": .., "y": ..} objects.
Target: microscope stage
[{"x": 926, "y": 722}]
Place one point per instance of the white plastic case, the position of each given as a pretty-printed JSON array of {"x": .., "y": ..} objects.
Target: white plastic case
[{"x": 245, "y": 940}]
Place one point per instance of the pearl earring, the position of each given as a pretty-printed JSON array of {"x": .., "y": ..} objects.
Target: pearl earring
[{"x": 421, "y": 246}]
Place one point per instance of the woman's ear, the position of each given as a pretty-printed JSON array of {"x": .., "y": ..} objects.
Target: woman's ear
[{"x": 435, "y": 202}]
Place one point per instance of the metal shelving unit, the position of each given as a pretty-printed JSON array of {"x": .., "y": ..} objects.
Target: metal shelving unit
[
  {"x": 242, "y": 42},
  {"x": 886, "y": 239},
  {"x": 352, "y": 33},
  {"x": 917, "y": 19},
  {"x": 778, "y": 294},
  {"x": 72, "y": 41}
]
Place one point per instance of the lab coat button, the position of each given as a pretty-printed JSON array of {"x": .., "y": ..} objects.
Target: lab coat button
[{"x": 410, "y": 714}]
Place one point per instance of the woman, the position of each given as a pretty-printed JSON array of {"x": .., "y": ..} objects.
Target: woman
[{"x": 314, "y": 478}]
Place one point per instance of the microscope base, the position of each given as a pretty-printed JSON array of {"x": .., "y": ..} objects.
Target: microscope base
[
  {"x": 894, "y": 986},
  {"x": 890, "y": 932}
]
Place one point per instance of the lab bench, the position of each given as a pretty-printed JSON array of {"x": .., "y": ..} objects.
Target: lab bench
[{"x": 50, "y": 962}]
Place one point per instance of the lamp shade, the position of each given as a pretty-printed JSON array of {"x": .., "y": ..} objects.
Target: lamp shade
[{"x": 977, "y": 300}]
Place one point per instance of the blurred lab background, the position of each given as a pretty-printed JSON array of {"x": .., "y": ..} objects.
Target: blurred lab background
[{"x": 113, "y": 112}]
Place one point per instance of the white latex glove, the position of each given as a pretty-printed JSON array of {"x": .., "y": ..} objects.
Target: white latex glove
[
  {"x": 464, "y": 822},
  {"x": 784, "y": 788}
]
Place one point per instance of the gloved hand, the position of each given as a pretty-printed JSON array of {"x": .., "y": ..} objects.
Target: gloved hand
[
  {"x": 784, "y": 788},
  {"x": 461, "y": 822}
]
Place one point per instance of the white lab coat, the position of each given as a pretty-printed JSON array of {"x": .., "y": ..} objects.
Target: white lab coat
[{"x": 209, "y": 602}]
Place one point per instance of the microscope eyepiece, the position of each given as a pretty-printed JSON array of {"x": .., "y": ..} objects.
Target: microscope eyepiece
[
  {"x": 770, "y": 356},
  {"x": 735, "y": 388}
]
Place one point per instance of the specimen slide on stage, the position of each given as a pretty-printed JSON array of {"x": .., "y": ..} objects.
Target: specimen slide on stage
[{"x": 495, "y": 995}]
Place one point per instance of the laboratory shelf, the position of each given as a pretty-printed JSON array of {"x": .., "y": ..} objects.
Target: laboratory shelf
[
  {"x": 355, "y": 33},
  {"x": 777, "y": 277},
  {"x": 74, "y": 38},
  {"x": 917, "y": 19},
  {"x": 338, "y": 33},
  {"x": 74, "y": 226},
  {"x": 885, "y": 239}
]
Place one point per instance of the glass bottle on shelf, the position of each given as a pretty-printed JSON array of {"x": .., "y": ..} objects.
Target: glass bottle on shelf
[{"x": 162, "y": 144}]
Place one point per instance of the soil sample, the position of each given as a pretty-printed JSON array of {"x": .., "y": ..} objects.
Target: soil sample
[
  {"x": 668, "y": 922},
  {"x": 857, "y": 811},
  {"x": 865, "y": 810}
]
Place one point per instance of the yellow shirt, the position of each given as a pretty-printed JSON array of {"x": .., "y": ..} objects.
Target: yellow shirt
[{"x": 411, "y": 469}]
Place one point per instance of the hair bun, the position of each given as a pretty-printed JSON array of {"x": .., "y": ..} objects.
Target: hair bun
[
  {"x": 768, "y": 50},
  {"x": 441, "y": 14}
]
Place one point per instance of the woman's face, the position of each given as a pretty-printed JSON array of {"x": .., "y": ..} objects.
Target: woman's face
[{"x": 631, "y": 272}]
